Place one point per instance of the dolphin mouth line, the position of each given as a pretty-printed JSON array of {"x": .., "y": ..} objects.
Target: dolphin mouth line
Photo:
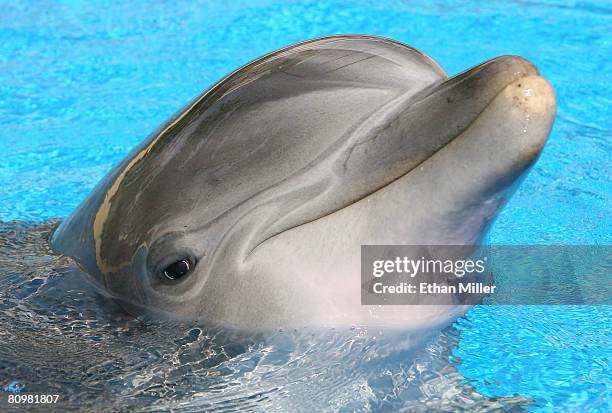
[{"x": 466, "y": 129}]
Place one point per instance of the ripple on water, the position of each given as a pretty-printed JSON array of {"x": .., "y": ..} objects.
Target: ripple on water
[{"x": 60, "y": 336}]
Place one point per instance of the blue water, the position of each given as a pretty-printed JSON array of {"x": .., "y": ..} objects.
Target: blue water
[{"x": 81, "y": 83}]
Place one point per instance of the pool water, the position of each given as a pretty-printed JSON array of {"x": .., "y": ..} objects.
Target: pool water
[{"x": 81, "y": 83}]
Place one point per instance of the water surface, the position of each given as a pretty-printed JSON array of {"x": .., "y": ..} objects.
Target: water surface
[{"x": 81, "y": 83}]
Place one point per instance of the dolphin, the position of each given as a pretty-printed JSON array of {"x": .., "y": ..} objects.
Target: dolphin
[{"x": 250, "y": 206}]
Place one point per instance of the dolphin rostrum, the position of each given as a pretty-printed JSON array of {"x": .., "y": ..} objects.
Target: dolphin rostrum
[{"x": 249, "y": 207}]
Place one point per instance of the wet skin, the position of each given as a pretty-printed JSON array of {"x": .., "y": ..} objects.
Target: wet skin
[{"x": 250, "y": 206}]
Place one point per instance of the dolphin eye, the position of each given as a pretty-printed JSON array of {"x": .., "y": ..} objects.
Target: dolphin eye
[{"x": 178, "y": 269}]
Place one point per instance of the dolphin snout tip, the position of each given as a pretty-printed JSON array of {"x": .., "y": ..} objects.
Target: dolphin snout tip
[
  {"x": 531, "y": 105},
  {"x": 532, "y": 95}
]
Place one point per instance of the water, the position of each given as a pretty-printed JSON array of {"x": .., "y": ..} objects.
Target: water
[{"x": 81, "y": 83}]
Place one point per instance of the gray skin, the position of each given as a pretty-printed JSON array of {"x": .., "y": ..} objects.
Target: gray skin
[{"x": 272, "y": 179}]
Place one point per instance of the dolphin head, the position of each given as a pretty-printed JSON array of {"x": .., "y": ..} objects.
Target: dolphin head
[{"x": 250, "y": 205}]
